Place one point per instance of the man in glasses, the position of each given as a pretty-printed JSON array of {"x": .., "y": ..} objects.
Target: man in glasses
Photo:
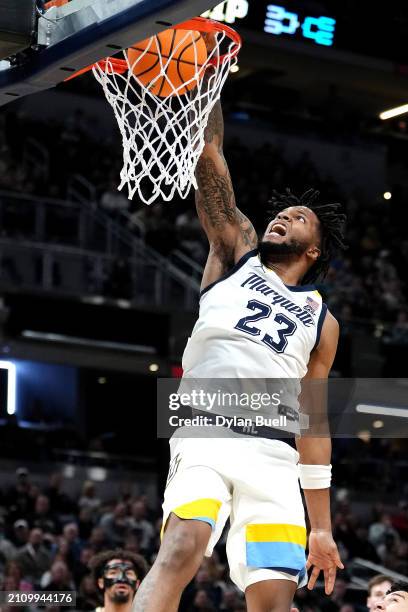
[{"x": 118, "y": 574}]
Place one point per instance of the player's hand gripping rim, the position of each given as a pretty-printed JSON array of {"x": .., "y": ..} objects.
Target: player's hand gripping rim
[{"x": 323, "y": 556}]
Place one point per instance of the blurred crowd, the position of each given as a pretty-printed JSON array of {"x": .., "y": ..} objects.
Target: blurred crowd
[
  {"x": 367, "y": 282},
  {"x": 49, "y": 537}
]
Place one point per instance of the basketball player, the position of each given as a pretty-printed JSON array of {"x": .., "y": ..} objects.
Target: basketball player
[
  {"x": 378, "y": 586},
  {"x": 396, "y": 599},
  {"x": 118, "y": 574},
  {"x": 257, "y": 320}
]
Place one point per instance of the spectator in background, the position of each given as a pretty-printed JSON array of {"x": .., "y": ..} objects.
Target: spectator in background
[
  {"x": 13, "y": 569},
  {"x": 81, "y": 568},
  {"x": 86, "y": 523},
  {"x": 202, "y": 603},
  {"x": 388, "y": 551},
  {"x": 10, "y": 583},
  {"x": 7, "y": 548},
  {"x": 230, "y": 600},
  {"x": 399, "y": 563},
  {"x": 338, "y": 598},
  {"x": 118, "y": 574},
  {"x": 88, "y": 498},
  {"x": 132, "y": 543},
  {"x": 382, "y": 535},
  {"x": 58, "y": 578},
  {"x": 377, "y": 588},
  {"x": 400, "y": 519},
  {"x": 42, "y": 516},
  {"x": 116, "y": 525},
  {"x": 361, "y": 547},
  {"x": 18, "y": 499},
  {"x": 62, "y": 552},
  {"x": 306, "y": 600},
  {"x": 88, "y": 594},
  {"x": 210, "y": 590},
  {"x": 343, "y": 529},
  {"x": 141, "y": 527},
  {"x": 21, "y": 533},
  {"x": 205, "y": 582},
  {"x": 71, "y": 535},
  {"x": 97, "y": 540},
  {"x": 60, "y": 502},
  {"x": 34, "y": 558}
]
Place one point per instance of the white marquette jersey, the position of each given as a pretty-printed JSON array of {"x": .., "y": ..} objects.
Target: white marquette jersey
[{"x": 252, "y": 325}]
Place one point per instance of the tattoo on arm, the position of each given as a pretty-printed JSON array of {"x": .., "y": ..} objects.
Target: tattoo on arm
[
  {"x": 247, "y": 230},
  {"x": 215, "y": 202},
  {"x": 214, "y": 132},
  {"x": 215, "y": 198}
]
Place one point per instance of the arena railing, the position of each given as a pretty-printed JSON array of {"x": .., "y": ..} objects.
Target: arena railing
[
  {"x": 184, "y": 262},
  {"x": 95, "y": 238},
  {"x": 368, "y": 569},
  {"x": 70, "y": 271}
]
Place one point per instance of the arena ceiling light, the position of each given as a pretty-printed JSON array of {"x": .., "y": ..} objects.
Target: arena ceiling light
[
  {"x": 394, "y": 112},
  {"x": 11, "y": 385}
]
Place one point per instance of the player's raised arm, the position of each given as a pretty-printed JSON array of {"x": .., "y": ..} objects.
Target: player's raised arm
[
  {"x": 314, "y": 462},
  {"x": 229, "y": 231}
]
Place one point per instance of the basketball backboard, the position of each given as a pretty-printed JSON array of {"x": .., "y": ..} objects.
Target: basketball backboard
[{"x": 69, "y": 35}]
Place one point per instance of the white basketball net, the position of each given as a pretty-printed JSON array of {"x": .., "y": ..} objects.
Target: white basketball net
[{"x": 163, "y": 137}]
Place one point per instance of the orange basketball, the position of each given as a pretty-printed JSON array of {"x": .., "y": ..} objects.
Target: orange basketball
[{"x": 182, "y": 53}]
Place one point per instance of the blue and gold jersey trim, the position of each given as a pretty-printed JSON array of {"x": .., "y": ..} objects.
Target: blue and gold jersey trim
[
  {"x": 205, "y": 510},
  {"x": 276, "y": 546}
]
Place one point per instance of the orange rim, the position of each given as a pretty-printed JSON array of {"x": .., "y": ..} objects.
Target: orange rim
[
  {"x": 200, "y": 24},
  {"x": 48, "y": 5}
]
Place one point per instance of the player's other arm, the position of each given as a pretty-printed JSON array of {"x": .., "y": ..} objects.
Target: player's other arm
[
  {"x": 315, "y": 454},
  {"x": 228, "y": 230}
]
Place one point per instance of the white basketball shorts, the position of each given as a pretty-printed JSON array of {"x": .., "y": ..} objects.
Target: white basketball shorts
[{"x": 254, "y": 483}]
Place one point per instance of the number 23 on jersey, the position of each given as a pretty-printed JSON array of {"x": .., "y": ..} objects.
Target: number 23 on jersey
[{"x": 285, "y": 326}]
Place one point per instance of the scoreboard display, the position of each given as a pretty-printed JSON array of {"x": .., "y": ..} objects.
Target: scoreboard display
[
  {"x": 356, "y": 28},
  {"x": 319, "y": 29},
  {"x": 281, "y": 19}
]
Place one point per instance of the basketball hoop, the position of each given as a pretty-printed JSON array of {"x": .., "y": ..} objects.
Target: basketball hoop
[{"x": 162, "y": 119}]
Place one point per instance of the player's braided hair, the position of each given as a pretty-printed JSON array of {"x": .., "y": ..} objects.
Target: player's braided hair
[{"x": 332, "y": 226}]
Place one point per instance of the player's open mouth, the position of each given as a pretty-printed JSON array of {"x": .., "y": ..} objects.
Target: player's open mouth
[{"x": 278, "y": 229}]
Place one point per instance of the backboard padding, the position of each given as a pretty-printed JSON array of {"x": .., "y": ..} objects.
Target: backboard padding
[{"x": 52, "y": 65}]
